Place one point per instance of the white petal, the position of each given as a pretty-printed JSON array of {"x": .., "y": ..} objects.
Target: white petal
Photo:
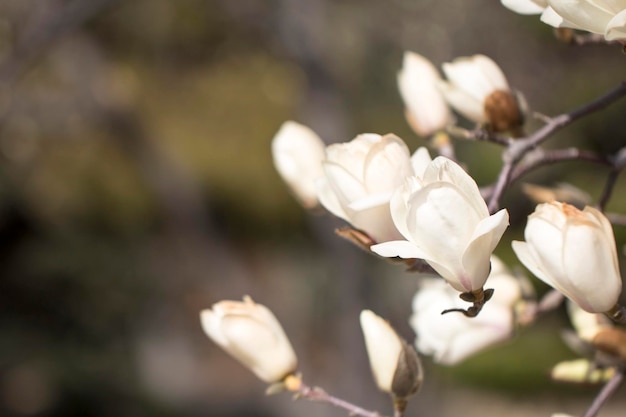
[
  {"x": 298, "y": 153},
  {"x": 476, "y": 259},
  {"x": 583, "y": 14},
  {"x": 524, "y": 6},
  {"x": 468, "y": 106},
  {"x": 417, "y": 82},
  {"x": 526, "y": 257},
  {"x": 383, "y": 348},
  {"x": 328, "y": 199},
  {"x": 420, "y": 160},
  {"x": 616, "y": 28},
  {"x": 401, "y": 248}
]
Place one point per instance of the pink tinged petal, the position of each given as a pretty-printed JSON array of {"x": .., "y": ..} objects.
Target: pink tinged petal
[
  {"x": 470, "y": 107},
  {"x": 419, "y": 161},
  {"x": 476, "y": 259},
  {"x": 583, "y": 14},
  {"x": 444, "y": 169},
  {"x": 616, "y": 28},
  {"x": 398, "y": 248},
  {"x": 523, "y": 6}
]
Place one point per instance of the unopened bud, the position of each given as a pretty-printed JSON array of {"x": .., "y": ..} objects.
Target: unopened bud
[
  {"x": 395, "y": 364},
  {"x": 503, "y": 111}
]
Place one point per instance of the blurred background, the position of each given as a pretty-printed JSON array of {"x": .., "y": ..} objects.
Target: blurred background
[{"x": 137, "y": 188}]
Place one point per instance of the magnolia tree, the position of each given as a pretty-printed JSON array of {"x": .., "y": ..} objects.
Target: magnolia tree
[{"x": 424, "y": 211}]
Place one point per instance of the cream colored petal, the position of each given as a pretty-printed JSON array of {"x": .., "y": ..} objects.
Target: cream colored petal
[
  {"x": 468, "y": 106},
  {"x": 476, "y": 259},
  {"x": 420, "y": 160},
  {"x": 417, "y": 82},
  {"x": 383, "y": 348},
  {"x": 583, "y": 14},
  {"x": 616, "y": 28},
  {"x": 525, "y": 6},
  {"x": 398, "y": 248}
]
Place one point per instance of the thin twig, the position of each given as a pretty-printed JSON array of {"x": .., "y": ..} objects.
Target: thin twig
[
  {"x": 318, "y": 394},
  {"x": 517, "y": 149},
  {"x": 607, "y": 391},
  {"x": 608, "y": 189},
  {"x": 540, "y": 157}
]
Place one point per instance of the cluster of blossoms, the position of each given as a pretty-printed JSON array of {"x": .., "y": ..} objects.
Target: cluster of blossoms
[{"x": 430, "y": 213}]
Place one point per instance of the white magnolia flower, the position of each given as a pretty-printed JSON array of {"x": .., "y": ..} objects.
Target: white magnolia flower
[
  {"x": 426, "y": 109},
  {"x": 395, "y": 365},
  {"x": 451, "y": 338},
  {"x": 526, "y": 6},
  {"x": 574, "y": 252},
  {"x": 604, "y": 17},
  {"x": 478, "y": 89},
  {"x": 360, "y": 177},
  {"x": 445, "y": 221},
  {"x": 298, "y": 153},
  {"x": 251, "y": 334}
]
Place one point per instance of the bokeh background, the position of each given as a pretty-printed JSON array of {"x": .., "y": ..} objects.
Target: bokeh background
[{"x": 137, "y": 188}]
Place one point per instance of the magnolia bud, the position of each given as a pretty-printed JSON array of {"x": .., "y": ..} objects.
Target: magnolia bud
[
  {"x": 478, "y": 89},
  {"x": 298, "y": 153},
  {"x": 251, "y": 334},
  {"x": 574, "y": 252},
  {"x": 395, "y": 364}
]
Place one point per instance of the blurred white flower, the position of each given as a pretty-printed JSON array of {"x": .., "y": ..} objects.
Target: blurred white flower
[
  {"x": 451, "y": 338},
  {"x": 251, "y": 334},
  {"x": 360, "y": 176},
  {"x": 587, "y": 325},
  {"x": 298, "y": 153},
  {"x": 445, "y": 221},
  {"x": 526, "y": 6},
  {"x": 574, "y": 252},
  {"x": 395, "y": 365},
  {"x": 580, "y": 371},
  {"x": 478, "y": 89},
  {"x": 418, "y": 82},
  {"x": 604, "y": 17}
]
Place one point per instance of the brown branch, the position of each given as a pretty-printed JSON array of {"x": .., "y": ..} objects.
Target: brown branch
[
  {"x": 318, "y": 394},
  {"x": 517, "y": 149}
]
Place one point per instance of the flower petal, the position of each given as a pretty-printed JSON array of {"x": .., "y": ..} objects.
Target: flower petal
[{"x": 401, "y": 248}]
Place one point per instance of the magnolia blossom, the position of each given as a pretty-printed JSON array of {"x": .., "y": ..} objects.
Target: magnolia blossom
[
  {"x": 574, "y": 252},
  {"x": 426, "y": 109},
  {"x": 251, "y": 334},
  {"x": 604, "y": 17},
  {"x": 478, "y": 89},
  {"x": 445, "y": 221},
  {"x": 360, "y": 176},
  {"x": 451, "y": 338},
  {"x": 395, "y": 365},
  {"x": 298, "y": 153}
]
